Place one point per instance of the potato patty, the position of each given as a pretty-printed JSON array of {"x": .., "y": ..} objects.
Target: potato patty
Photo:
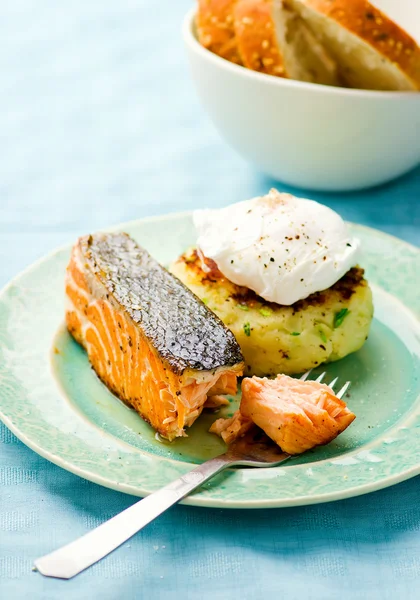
[{"x": 274, "y": 339}]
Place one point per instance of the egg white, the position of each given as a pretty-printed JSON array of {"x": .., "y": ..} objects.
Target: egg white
[{"x": 282, "y": 247}]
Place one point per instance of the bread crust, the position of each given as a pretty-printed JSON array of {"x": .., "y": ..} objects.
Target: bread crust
[
  {"x": 215, "y": 28},
  {"x": 256, "y": 37},
  {"x": 375, "y": 28}
]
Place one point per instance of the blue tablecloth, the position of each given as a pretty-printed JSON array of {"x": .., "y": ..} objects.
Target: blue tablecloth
[{"x": 100, "y": 124}]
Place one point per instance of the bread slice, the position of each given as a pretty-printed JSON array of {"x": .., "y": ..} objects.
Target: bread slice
[
  {"x": 256, "y": 37},
  {"x": 215, "y": 28},
  {"x": 372, "y": 51},
  {"x": 305, "y": 57},
  {"x": 275, "y": 40}
]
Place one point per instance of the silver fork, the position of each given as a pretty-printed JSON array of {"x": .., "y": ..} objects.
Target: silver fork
[{"x": 249, "y": 451}]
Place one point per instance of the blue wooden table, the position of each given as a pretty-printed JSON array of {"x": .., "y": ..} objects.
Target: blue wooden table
[{"x": 100, "y": 124}]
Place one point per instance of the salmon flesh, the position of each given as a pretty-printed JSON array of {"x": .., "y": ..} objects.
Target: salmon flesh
[
  {"x": 297, "y": 415},
  {"x": 149, "y": 338}
]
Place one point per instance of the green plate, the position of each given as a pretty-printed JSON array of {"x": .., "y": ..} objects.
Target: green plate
[{"x": 51, "y": 399}]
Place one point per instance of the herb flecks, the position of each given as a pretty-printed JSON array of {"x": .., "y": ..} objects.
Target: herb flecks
[
  {"x": 265, "y": 312},
  {"x": 340, "y": 316},
  {"x": 247, "y": 329},
  {"x": 243, "y": 307},
  {"x": 295, "y": 333},
  {"x": 323, "y": 336}
]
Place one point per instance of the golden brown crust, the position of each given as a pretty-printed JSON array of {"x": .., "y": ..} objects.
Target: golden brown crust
[
  {"x": 344, "y": 288},
  {"x": 374, "y": 27},
  {"x": 256, "y": 37},
  {"x": 215, "y": 28}
]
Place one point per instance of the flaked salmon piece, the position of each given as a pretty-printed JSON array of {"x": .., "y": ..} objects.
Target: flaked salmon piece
[
  {"x": 297, "y": 415},
  {"x": 226, "y": 384},
  {"x": 216, "y": 401},
  {"x": 233, "y": 428},
  {"x": 149, "y": 338}
]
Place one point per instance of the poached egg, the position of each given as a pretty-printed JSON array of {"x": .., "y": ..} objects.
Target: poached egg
[{"x": 282, "y": 247}]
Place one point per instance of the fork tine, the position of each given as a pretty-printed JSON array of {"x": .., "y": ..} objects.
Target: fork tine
[
  {"x": 343, "y": 389},
  {"x": 333, "y": 382},
  {"x": 306, "y": 375},
  {"x": 321, "y": 377}
]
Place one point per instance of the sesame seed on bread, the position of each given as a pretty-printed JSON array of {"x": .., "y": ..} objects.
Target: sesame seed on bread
[
  {"x": 256, "y": 37},
  {"x": 215, "y": 28}
]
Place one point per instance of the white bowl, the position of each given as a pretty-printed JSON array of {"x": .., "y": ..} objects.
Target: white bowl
[{"x": 307, "y": 135}]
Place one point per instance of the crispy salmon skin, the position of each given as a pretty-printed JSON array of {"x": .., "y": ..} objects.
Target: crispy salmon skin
[
  {"x": 149, "y": 339},
  {"x": 295, "y": 414}
]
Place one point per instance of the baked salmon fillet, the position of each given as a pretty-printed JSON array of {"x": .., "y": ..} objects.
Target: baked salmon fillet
[
  {"x": 151, "y": 341},
  {"x": 295, "y": 414}
]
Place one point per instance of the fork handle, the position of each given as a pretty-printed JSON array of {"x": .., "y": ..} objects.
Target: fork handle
[{"x": 77, "y": 556}]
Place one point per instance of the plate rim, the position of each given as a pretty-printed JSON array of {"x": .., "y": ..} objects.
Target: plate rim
[{"x": 196, "y": 499}]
